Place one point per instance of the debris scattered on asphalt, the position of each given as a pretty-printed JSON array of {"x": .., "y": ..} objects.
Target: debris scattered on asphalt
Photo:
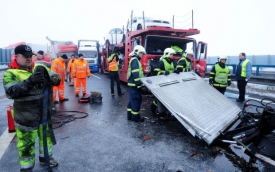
[{"x": 147, "y": 137}]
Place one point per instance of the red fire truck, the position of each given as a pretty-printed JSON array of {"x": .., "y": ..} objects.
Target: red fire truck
[{"x": 155, "y": 39}]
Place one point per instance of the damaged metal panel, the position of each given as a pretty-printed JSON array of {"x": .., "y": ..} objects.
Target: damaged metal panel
[{"x": 201, "y": 109}]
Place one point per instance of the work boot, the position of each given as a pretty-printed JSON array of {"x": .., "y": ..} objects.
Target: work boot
[
  {"x": 83, "y": 94},
  {"x": 239, "y": 100},
  {"x": 113, "y": 94},
  {"x": 71, "y": 85},
  {"x": 120, "y": 94},
  {"x": 65, "y": 99},
  {"x": 137, "y": 118},
  {"x": 153, "y": 108},
  {"x": 53, "y": 162},
  {"x": 65, "y": 80},
  {"x": 55, "y": 102},
  {"x": 26, "y": 170},
  {"x": 77, "y": 95}
]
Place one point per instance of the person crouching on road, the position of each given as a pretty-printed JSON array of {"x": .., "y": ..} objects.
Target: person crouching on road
[
  {"x": 164, "y": 67},
  {"x": 81, "y": 71},
  {"x": 70, "y": 69},
  {"x": 113, "y": 69},
  {"x": 220, "y": 75},
  {"x": 58, "y": 66},
  {"x": 20, "y": 82},
  {"x": 134, "y": 74}
]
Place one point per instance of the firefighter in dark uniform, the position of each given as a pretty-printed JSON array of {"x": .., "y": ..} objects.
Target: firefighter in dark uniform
[
  {"x": 113, "y": 69},
  {"x": 20, "y": 82},
  {"x": 184, "y": 63},
  {"x": 134, "y": 74},
  {"x": 220, "y": 75},
  {"x": 165, "y": 67}
]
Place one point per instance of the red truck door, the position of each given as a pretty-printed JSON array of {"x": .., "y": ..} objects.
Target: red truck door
[{"x": 200, "y": 58}]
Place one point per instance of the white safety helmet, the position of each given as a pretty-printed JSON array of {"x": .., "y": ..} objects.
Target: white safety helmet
[
  {"x": 189, "y": 51},
  {"x": 137, "y": 49},
  {"x": 168, "y": 51},
  {"x": 222, "y": 57}
]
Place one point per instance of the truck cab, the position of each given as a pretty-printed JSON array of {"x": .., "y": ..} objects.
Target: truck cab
[
  {"x": 155, "y": 40},
  {"x": 68, "y": 49},
  {"x": 90, "y": 51}
]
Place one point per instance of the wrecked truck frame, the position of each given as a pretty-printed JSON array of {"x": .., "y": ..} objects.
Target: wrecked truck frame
[{"x": 209, "y": 115}]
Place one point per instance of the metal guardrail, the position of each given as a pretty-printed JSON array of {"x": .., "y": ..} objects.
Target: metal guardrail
[
  {"x": 257, "y": 67},
  {"x": 254, "y": 79}
]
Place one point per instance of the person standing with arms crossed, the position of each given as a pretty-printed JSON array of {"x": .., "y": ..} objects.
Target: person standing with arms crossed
[
  {"x": 243, "y": 73},
  {"x": 81, "y": 71},
  {"x": 113, "y": 69}
]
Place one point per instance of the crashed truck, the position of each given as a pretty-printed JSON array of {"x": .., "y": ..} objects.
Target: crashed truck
[
  {"x": 209, "y": 115},
  {"x": 155, "y": 39}
]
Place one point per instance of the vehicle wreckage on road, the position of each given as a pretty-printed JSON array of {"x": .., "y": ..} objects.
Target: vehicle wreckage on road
[{"x": 209, "y": 115}]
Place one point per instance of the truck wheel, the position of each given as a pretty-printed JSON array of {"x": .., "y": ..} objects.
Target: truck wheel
[{"x": 139, "y": 27}]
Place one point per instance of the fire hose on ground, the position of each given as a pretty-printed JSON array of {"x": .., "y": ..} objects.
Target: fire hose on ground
[{"x": 60, "y": 118}]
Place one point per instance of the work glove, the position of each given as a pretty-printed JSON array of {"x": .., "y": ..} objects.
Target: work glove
[
  {"x": 74, "y": 76},
  {"x": 211, "y": 81},
  {"x": 139, "y": 85},
  {"x": 166, "y": 73},
  {"x": 37, "y": 78},
  {"x": 55, "y": 78},
  {"x": 177, "y": 71},
  {"x": 229, "y": 83}
]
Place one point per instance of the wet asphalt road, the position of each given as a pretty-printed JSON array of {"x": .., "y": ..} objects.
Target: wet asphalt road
[{"x": 106, "y": 141}]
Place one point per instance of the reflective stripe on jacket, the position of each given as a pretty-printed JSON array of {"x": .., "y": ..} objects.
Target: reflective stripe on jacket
[
  {"x": 221, "y": 76},
  {"x": 81, "y": 69},
  {"x": 70, "y": 65},
  {"x": 58, "y": 66},
  {"x": 184, "y": 68},
  {"x": 134, "y": 72},
  {"x": 113, "y": 64}
]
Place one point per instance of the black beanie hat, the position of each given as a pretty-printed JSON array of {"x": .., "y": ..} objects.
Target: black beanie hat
[
  {"x": 40, "y": 52},
  {"x": 64, "y": 56}
]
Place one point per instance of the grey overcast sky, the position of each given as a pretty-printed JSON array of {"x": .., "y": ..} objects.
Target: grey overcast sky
[{"x": 228, "y": 26}]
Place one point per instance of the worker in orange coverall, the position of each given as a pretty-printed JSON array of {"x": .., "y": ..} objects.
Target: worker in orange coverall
[
  {"x": 58, "y": 66},
  {"x": 70, "y": 69},
  {"x": 81, "y": 71}
]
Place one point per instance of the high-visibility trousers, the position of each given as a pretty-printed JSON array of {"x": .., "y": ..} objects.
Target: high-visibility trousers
[
  {"x": 60, "y": 89},
  {"x": 72, "y": 78},
  {"x": 80, "y": 82},
  {"x": 135, "y": 100},
  {"x": 26, "y": 145}
]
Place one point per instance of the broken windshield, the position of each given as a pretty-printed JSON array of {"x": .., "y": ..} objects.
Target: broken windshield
[{"x": 157, "y": 44}]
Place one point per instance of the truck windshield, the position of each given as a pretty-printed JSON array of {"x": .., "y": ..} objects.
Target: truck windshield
[
  {"x": 156, "y": 45},
  {"x": 89, "y": 54}
]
